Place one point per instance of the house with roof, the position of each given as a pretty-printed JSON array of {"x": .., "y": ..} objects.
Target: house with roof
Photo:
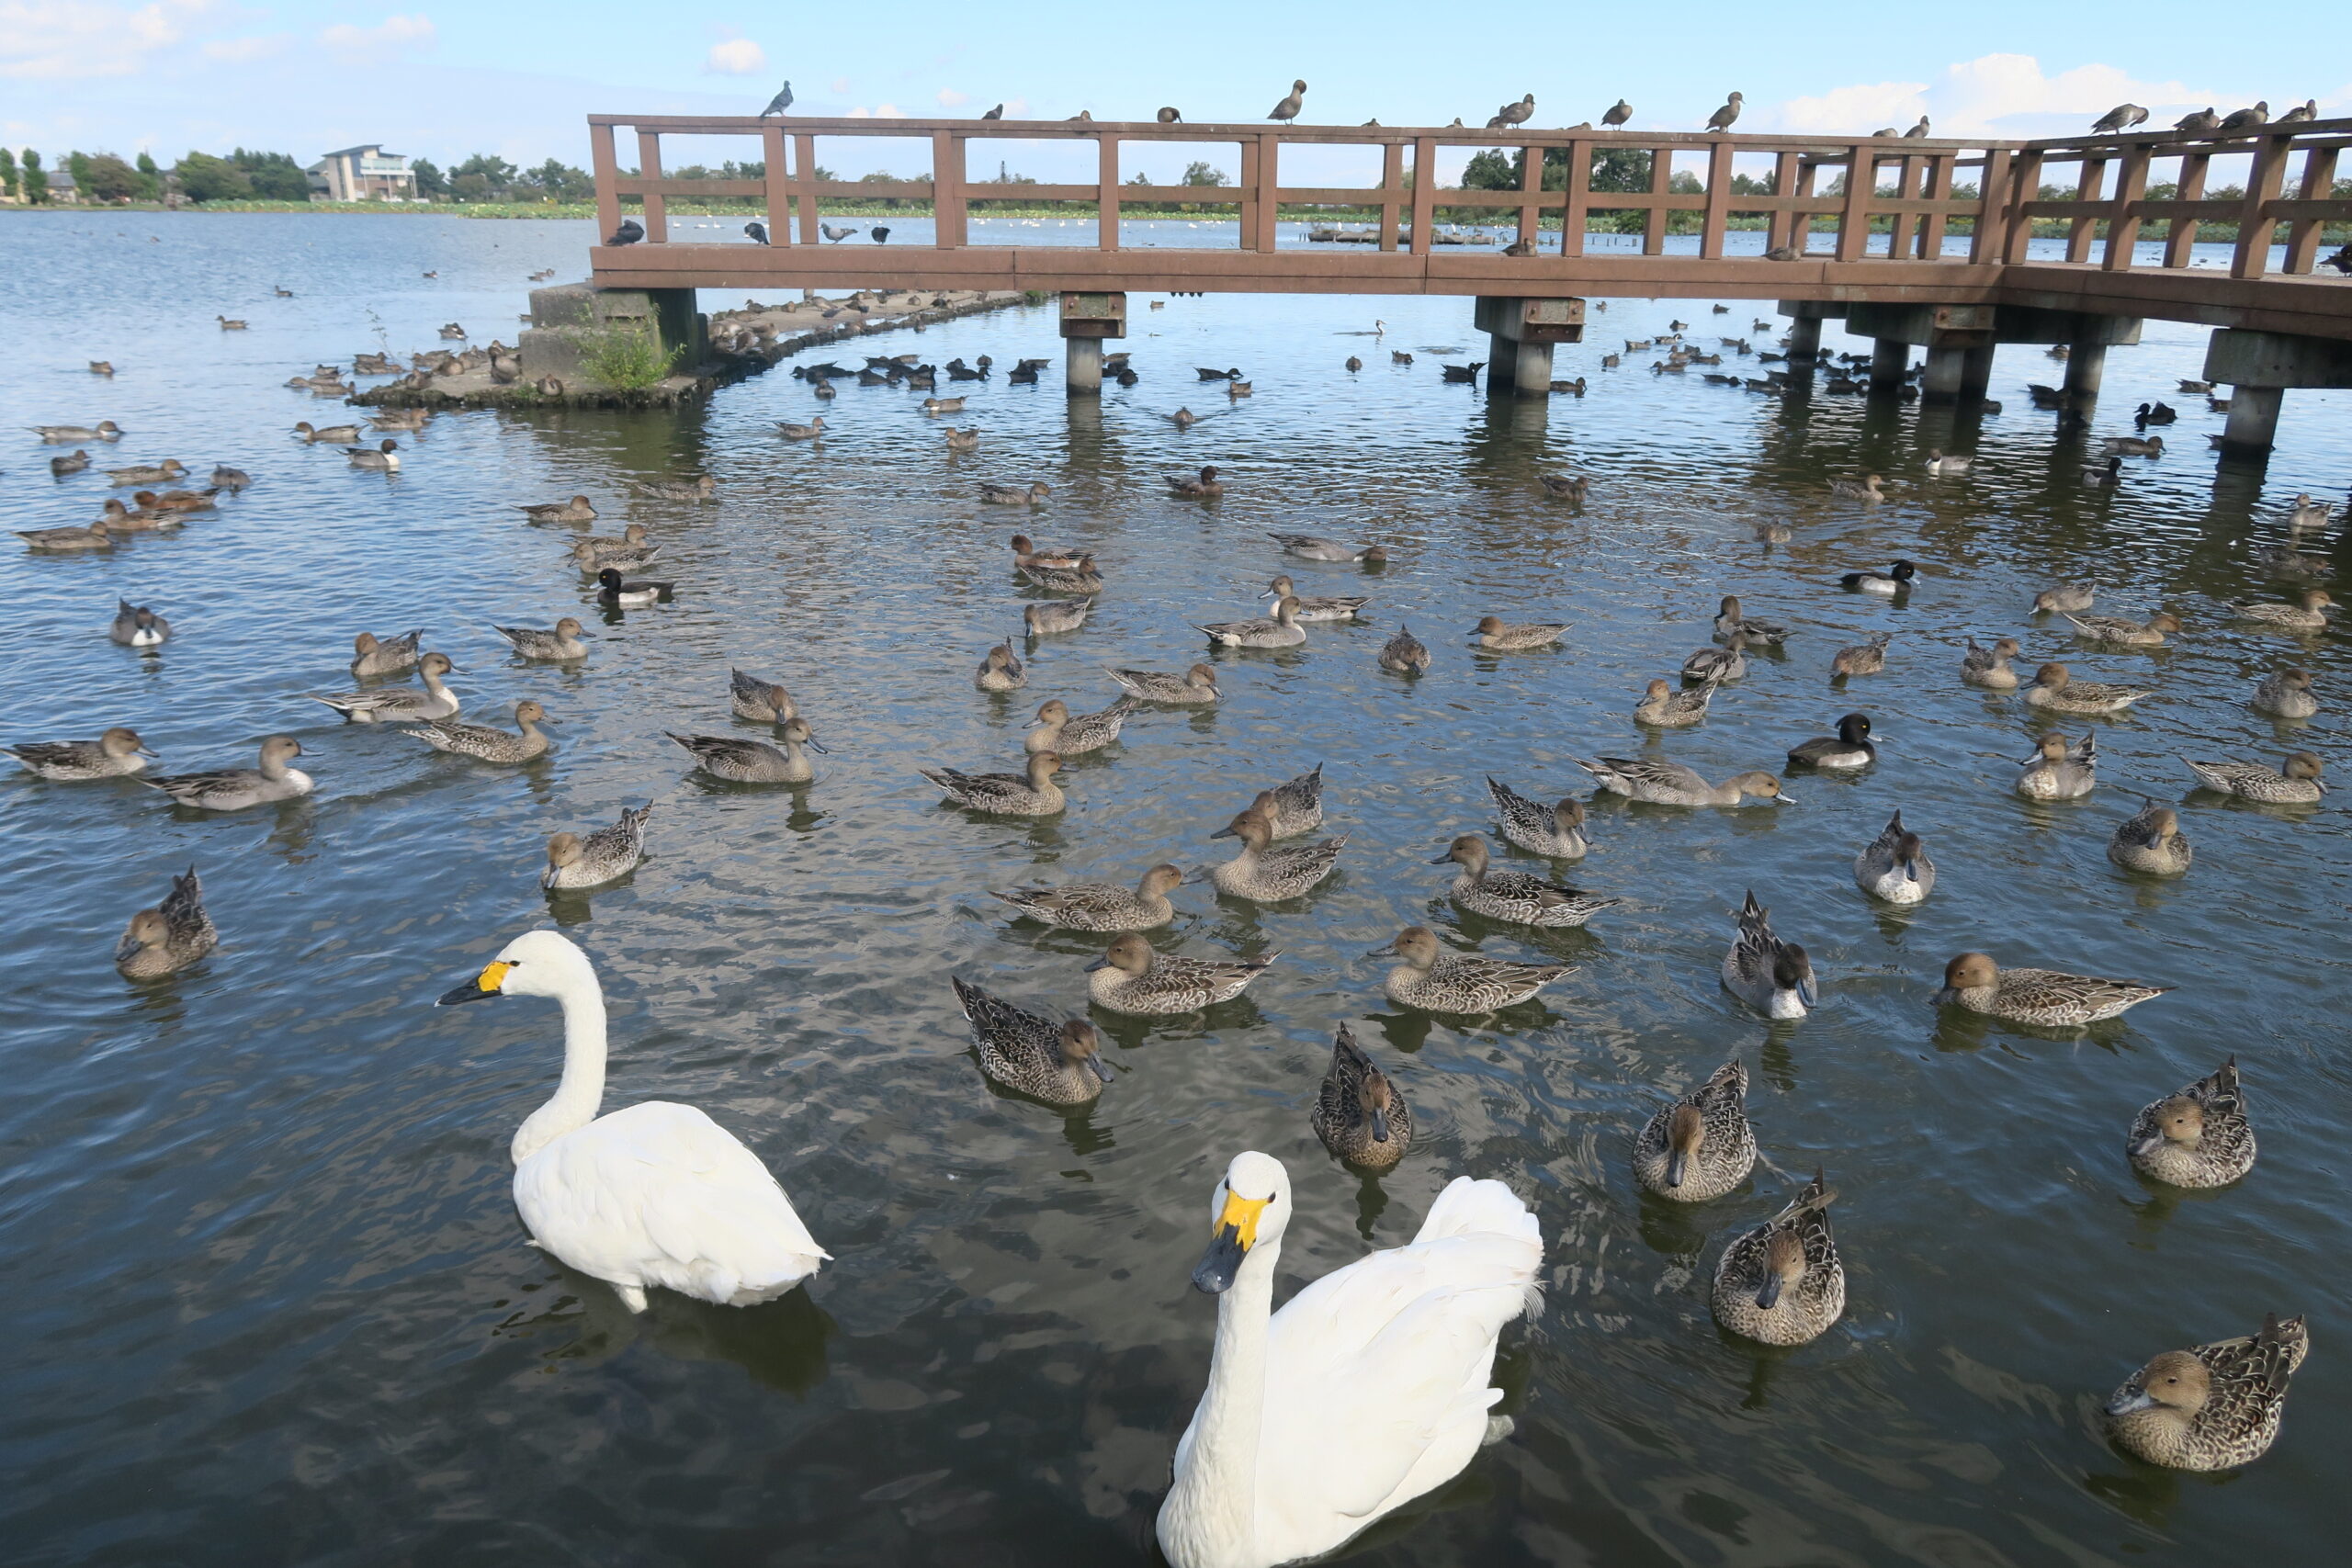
[{"x": 362, "y": 173}]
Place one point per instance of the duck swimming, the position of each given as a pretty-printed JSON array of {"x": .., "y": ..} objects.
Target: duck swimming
[
  {"x": 115, "y": 754},
  {"x": 334, "y": 434},
  {"x": 385, "y": 455},
  {"x": 1131, "y": 978},
  {"x": 1782, "y": 1283},
  {"x": 1664, "y": 708},
  {"x": 1730, "y": 618},
  {"x": 763, "y": 702},
  {"x": 1080, "y": 579},
  {"x": 1054, "y": 618},
  {"x": 1555, "y": 830},
  {"x": 559, "y": 646},
  {"x": 1700, "y": 1146},
  {"x": 2055, "y": 690},
  {"x": 385, "y": 656},
  {"x": 1894, "y": 865},
  {"x": 613, "y": 588},
  {"x": 578, "y": 509},
  {"x": 138, "y": 626},
  {"x": 234, "y": 789},
  {"x": 1101, "y": 906},
  {"x": 1280, "y": 631},
  {"x": 1059, "y": 1063},
  {"x": 1055, "y": 730},
  {"x": 98, "y": 536},
  {"x": 737, "y": 759},
  {"x": 1341, "y": 607},
  {"x": 1015, "y": 495},
  {"x": 1514, "y": 895},
  {"x": 486, "y": 744},
  {"x": 1195, "y": 687},
  {"x": 68, "y": 435},
  {"x": 1717, "y": 665},
  {"x": 2114, "y": 631},
  {"x": 606, "y": 855},
  {"x": 1775, "y": 977},
  {"x": 1359, "y": 1113},
  {"x": 1661, "y": 783},
  {"x": 1895, "y": 580},
  {"x": 398, "y": 704},
  {"x": 1862, "y": 659},
  {"x": 2296, "y": 783},
  {"x": 2066, "y": 596},
  {"x": 2213, "y": 1406},
  {"x": 2048, "y": 998},
  {"x": 2286, "y": 695},
  {"x": 1851, "y": 747},
  {"x": 1190, "y": 489},
  {"x": 1264, "y": 875},
  {"x": 168, "y": 938},
  {"x": 2150, "y": 842},
  {"x": 2057, "y": 772},
  {"x": 1989, "y": 666},
  {"x": 1295, "y": 805},
  {"x": 1001, "y": 670},
  {"x": 2197, "y": 1137},
  {"x": 1404, "y": 654},
  {"x": 1433, "y": 981},
  {"x": 2307, "y": 615},
  {"x": 1027, "y": 553},
  {"x": 1310, "y": 546},
  {"x": 1031, "y": 792},
  {"x": 1494, "y": 632}
]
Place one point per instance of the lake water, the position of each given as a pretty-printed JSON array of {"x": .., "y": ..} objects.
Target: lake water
[{"x": 269, "y": 1301}]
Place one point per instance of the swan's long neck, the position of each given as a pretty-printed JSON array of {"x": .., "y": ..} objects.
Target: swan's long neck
[
  {"x": 1217, "y": 1493},
  {"x": 581, "y": 1091}
]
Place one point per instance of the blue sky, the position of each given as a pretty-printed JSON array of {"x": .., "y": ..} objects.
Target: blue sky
[{"x": 516, "y": 78}]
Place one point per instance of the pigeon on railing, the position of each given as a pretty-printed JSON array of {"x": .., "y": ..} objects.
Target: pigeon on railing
[
  {"x": 1168, "y": 115},
  {"x": 781, "y": 102},
  {"x": 1288, "y": 108},
  {"x": 629, "y": 234},
  {"x": 758, "y": 232},
  {"x": 1919, "y": 129},
  {"x": 2122, "y": 116},
  {"x": 1618, "y": 113},
  {"x": 2341, "y": 261},
  {"x": 996, "y": 113},
  {"x": 2197, "y": 124},
  {"x": 2306, "y": 109},
  {"x": 837, "y": 235},
  {"x": 1721, "y": 120},
  {"x": 881, "y": 234},
  {"x": 1513, "y": 114},
  {"x": 2248, "y": 118}
]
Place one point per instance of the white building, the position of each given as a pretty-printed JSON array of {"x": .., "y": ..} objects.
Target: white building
[{"x": 362, "y": 173}]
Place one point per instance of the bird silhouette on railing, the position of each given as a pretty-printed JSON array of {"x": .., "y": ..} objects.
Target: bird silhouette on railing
[
  {"x": 2251, "y": 118},
  {"x": 1168, "y": 115},
  {"x": 1722, "y": 119},
  {"x": 2306, "y": 109},
  {"x": 1618, "y": 113},
  {"x": 758, "y": 232},
  {"x": 2122, "y": 118},
  {"x": 2198, "y": 123},
  {"x": 781, "y": 102},
  {"x": 1513, "y": 114},
  {"x": 2341, "y": 261},
  {"x": 629, "y": 234},
  {"x": 837, "y": 235},
  {"x": 881, "y": 234},
  {"x": 1288, "y": 108},
  {"x": 996, "y": 113},
  {"x": 1919, "y": 129}
]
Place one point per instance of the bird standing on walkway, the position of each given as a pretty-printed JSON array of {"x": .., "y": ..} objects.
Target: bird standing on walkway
[
  {"x": 629, "y": 234},
  {"x": 1288, "y": 108},
  {"x": 781, "y": 102},
  {"x": 2122, "y": 118},
  {"x": 1721, "y": 120}
]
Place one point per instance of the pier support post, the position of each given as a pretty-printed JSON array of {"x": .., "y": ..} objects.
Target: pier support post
[
  {"x": 2085, "y": 367},
  {"x": 1087, "y": 320},
  {"x": 1521, "y": 333},
  {"x": 1890, "y": 363},
  {"x": 1805, "y": 317},
  {"x": 2258, "y": 368},
  {"x": 2254, "y": 418}
]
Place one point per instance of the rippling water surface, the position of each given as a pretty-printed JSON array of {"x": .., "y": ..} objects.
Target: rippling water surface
[{"x": 268, "y": 1300}]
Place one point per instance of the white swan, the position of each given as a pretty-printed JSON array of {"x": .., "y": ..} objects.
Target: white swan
[
  {"x": 653, "y": 1194},
  {"x": 1366, "y": 1391}
]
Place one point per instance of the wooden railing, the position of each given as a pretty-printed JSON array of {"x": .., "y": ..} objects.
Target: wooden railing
[{"x": 1914, "y": 191}]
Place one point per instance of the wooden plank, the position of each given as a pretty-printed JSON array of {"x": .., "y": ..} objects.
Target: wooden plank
[
  {"x": 804, "y": 165},
  {"x": 1391, "y": 192},
  {"x": 948, "y": 178},
  {"x": 1654, "y": 209},
  {"x": 1802, "y": 235},
  {"x": 606, "y": 168},
  {"x": 2180, "y": 231},
  {"x": 1718, "y": 208},
  {"x": 1931, "y": 223},
  {"x": 1269, "y": 190},
  {"x": 2025, "y": 181},
  {"x": 1530, "y": 190},
  {"x": 648, "y": 168},
  {"x": 2255, "y": 221},
  {"x": 1576, "y": 201},
  {"x": 1424, "y": 193},
  {"x": 1854, "y": 218},
  {"x": 2318, "y": 183},
  {"x": 630, "y": 185},
  {"x": 2123, "y": 222},
  {"x": 1106, "y": 166},
  {"x": 2088, "y": 186},
  {"x": 779, "y": 186},
  {"x": 1247, "y": 194},
  {"x": 1783, "y": 221}
]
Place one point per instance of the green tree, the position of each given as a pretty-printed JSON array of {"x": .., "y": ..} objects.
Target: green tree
[
  {"x": 7, "y": 172},
  {"x": 77, "y": 163},
  {"x": 206, "y": 178},
  {"x": 105, "y": 177},
  {"x": 275, "y": 176},
  {"x": 1488, "y": 169},
  {"x": 150, "y": 179},
  {"x": 34, "y": 181},
  {"x": 430, "y": 181},
  {"x": 494, "y": 172},
  {"x": 1200, "y": 172}
]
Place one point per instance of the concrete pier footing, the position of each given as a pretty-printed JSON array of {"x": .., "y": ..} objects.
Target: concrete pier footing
[
  {"x": 1521, "y": 334},
  {"x": 1890, "y": 363},
  {"x": 2259, "y": 368},
  {"x": 1087, "y": 320}
]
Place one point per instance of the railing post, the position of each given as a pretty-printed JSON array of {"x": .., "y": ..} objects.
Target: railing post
[
  {"x": 2180, "y": 235},
  {"x": 606, "y": 167},
  {"x": 804, "y": 167},
  {"x": 1717, "y": 215},
  {"x": 1854, "y": 220},
  {"x": 2319, "y": 181},
  {"x": 657, "y": 206},
  {"x": 779, "y": 192},
  {"x": 1247, "y": 197},
  {"x": 1900, "y": 223},
  {"x": 1938, "y": 189},
  {"x": 949, "y": 213},
  {"x": 1531, "y": 188},
  {"x": 2255, "y": 220},
  {"x": 1801, "y": 223},
  {"x": 1779, "y": 226},
  {"x": 1106, "y": 172},
  {"x": 1391, "y": 192},
  {"x": 1270, "y": 209},
  {"x": 2088, "y": 186},
  {"x": 1988, "y": 238},
  {"x": 2123, "y": 220},
  {"x": 2025, "y": 183},
  {"x": 1578, "y": 202},
  {"x": 1654, "y": 222},
  {"x": 1424, "y": 192}
]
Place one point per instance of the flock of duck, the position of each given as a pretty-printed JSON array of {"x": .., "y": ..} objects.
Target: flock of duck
[{"x": 1372, "y": 1386}]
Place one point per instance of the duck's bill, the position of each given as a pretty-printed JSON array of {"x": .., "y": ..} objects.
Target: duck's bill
[
  {"x": 1809, "y": 992},
  {"x": 1770, "y": 1295},
  {"x": 1674, "y": 1168},
  {"x": 482, "y": 987},
  {"x": 125, "y": 949},
  {"x": 2130, "y": 1400},
  {"x": 2140, "y": 1147},
  {"x": 1443, "y": 858},
  {"x": 1103, "y": 963},
  {"x": 1380, "y": 1126},
  {"x": 812, "y": 744},
  {"x": 1225, "y": 832},
  {"x": 1385, "y": 951},
  {"x": 1100, "y": 1067}
]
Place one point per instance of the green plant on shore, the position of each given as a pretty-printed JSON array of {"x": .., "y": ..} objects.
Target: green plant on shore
[{"x": 626, "y": 359}]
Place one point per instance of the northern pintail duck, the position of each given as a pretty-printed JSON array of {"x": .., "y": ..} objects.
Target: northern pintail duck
[
  {"x": 1700, "y": 1146},
  {"x": 1359, "y": 1113},
  {"x": 1057, "y": 730},
  {"x": 2308, "y": 513},
  {"x": 1101, "y": 906},
  {"x": 1015, "y": 495},
  {"x": 168, "y": 938},
  {"x": 72, "y": 463},
  {"x": 763, "y": 702},
  {"x": 1266, "y": 876},
  {"x": 1433, "y": 981},
  {"x": 701, "y": 488},
  {"x": 1282, "y": 630},
  {"x": 1554, "y": 831},
  {"x": 2132, "y": 447},
  {"x": 1313, "y": 546},
  {"x": 1851, "y": 747},
  {"x": 385, "y": 455},
  {"x": 1494, "y": 632},
  {"x": 1862, "y": 658},
  {"x": 1295, "y": 805},
  {"x": 606, "y": 855},
  {"x": 1716, "y": 665},
  {"x": 1946, "y": 466},
  {"x": 809, "y": 431},
  {"x": 1029, "y": 794},
  {"x": 1661, "y": 783},
  {"x": 1782, "y": 1283},
  {"x": 489, "y": 745},
  {"x": 2055, "y": 690},
  {"x": 234, "y": 480},
  {"x": 1866, "y": 490},
  {"x": 2297, "y": 783},
  {"x": 1336, "y": 607},
  {"x": 121, "y": 520},
  {"x": 1894, "y": 865},
  {"x": 234, "y": 789},
  {"x": 1664, "y": 708},
  {"x": 1027, "y": 553},
  {"x": 1730, "y": 618},
  {"x": 2065, "y": 597},
  {"x": 2057, "y": 771},
  {"x": 1775, "y": 977},
  {"x": 401, "y": 419},
  {"x": 175, "y": 500},
  {"x": 1566, "y": 487},
  {"x": 1059, "y": 1063},
  {"x": 1989, "y": 666},
  {"x": 740, "y": 760},
  {"x": 67, "y": 435},
  {"x": 2286, "y": 695},
  {"x": 98, "y": 536},
  {"x": 612, "y": 588},
  {"x": 1515, "y": 896},
  {"x": 1195, "y": 687},
  {"x": 2309, "y": 615},
  {"x": 112, "y": 755},
  {"x": 2048, "y": 997},
  {"x": 558, "y": 646},
  {"x": 1080, "y": 579},
  {"x": 384, "y": 656},
  {"x": 138, "y": 626},
  {"x": 577, "y": 510},
  {"x": 164, "y": 472},
  {"x": 628, "y": 553},
  {"x": 398, "y": 705},
  {"x": 1895, "y": 580},
  {"x": 2197, "y": 1137},
  {"x": 1052, "y": 617},
  {"x": 2150, "y": 842},
  {"x": 1404, "y": 654},
  {"x": 1132, "y": 979},
  {"x": 1191, "y": 488},
  {"x": 333, "y": 434},
  {"x": 1001, "y": 670},
  {"x": 2115, "y": 631},
  {"x": 967, "y": 440},
  {"x": 2213, "y": 1406}
]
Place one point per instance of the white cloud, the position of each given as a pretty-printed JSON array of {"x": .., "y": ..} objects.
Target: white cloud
[
  {"x": 880, "y": 111},
  {"x": 736, "y": 57},
  {"x": 56, "y": 39},
  {"x": 391, "y": 35},
  {"x": 841, "y": 85},
  {"x": 1994, "y": 95},
  {"x": 257, "y": 46},
  {"x": 1856, "y": 108},
  {"x": 949, "y": 97}
]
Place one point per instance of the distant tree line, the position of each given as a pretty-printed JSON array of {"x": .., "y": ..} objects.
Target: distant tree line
[{"x": 252, "y": 176}]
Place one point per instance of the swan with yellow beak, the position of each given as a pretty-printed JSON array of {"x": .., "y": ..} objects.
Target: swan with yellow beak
[{"x": 1369, "y": 1388}]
